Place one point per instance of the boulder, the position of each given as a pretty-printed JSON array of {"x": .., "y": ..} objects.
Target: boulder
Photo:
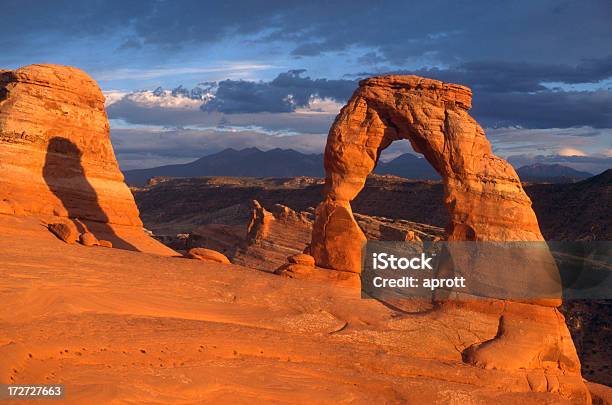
[
  {"x": 316, "y": 274},
  {"x": 302, "y": 259},
  {"x": 105, "y": 243},
  {"x": 208, "y": 255},
  {"x": 66, "y": 231},
  {"x": 88, "y": 239}
]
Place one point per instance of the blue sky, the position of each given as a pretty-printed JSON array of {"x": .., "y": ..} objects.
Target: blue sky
[{"x": 541, "y": 71}]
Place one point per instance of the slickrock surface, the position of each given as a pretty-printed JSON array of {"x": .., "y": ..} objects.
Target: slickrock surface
[
  {"x": 56, "y": 158},
  {"x": 565, "y": 212},
  {"x": 172, "y": 330}
]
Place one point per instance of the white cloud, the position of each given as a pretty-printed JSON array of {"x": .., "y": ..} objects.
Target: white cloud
[
  {"x": 578, "y": 141},
  {"x": 126, "y": 113},
  {"x": 317, "y": 105},
  {"x": 165, "y": 100},
  {"x": 571, "y": 152},
  {"x": 230, "y": 70},
  {"x": 113, "y": 96},
  {"x": 147, "y": 99}
]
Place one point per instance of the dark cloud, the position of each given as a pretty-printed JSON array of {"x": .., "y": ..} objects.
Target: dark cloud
[
  {"x": 509, "y": 93},
  {"x": 545, "y": 109},
  {"x": 134, "y": 113},
  {"x": 500, "y": 99},
  {"x": 285, "y": 93},
  {"x": 502, "y": 76},
  {"x": 26, "y": 19},
  {"x": 550, "y": 31}
]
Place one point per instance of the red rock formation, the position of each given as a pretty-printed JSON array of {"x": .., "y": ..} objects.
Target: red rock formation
[
  {"x": 207, "y": 255},
  {"x": 483, "y": 195},
  {"x": 56, "y": 158},
  {"x": 274, "y": 235}
]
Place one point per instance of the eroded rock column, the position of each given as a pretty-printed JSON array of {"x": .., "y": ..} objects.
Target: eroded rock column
[{"x": 56, "y": 157}]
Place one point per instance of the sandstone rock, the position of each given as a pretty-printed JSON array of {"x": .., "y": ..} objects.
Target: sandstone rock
[
  {"x": 6, "y": 207},
  {"x": 484, "y": 195},
  {"x": 302, "y": 259},
  {"x": 56, "y": 157},
  {"x": 272, "y": 236},
  {"x": 259, "y": 225},
  {"x": 208, "y": 254},
  {"x": 403, "y": 358},
  {"x": 602, "y": 394},
  {"x": 105, "y": 243},
  {"x": 66, "y": 231},
  {"x": 523, "y": 341},
  {"x": 88, "y": 239},
  {"x": 10, "y": 207},
  {"x": 306, "y": 272}
]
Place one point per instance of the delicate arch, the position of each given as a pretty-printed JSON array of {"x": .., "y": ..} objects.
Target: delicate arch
[{"x": 483, "y": 193}]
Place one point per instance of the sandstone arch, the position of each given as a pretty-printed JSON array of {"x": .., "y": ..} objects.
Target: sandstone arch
[{"x": 483, "y": 193}]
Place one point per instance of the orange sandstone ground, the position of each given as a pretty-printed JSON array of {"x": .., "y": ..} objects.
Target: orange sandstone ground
[{"x": 130, "y": 327}]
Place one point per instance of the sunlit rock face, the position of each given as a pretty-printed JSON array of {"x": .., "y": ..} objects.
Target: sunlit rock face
[
  {"x": 483, "y": 193},
  {"x": 56, "y": 157}
]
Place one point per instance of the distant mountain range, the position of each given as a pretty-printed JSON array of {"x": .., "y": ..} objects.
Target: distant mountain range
[
  {"x": 253, "y": 162},
  {"x": 551, "y": 173},
  {"x": 250, "y": 162},
  {"x": 408, "y": 166}
]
